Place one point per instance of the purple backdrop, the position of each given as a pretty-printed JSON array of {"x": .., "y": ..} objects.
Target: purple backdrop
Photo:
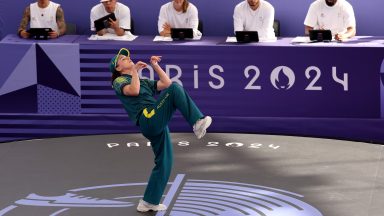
[
  {"x": 213, "y": 13},
  {"x": 273, "y": 103},
  {"x": 278, "y": 80}
]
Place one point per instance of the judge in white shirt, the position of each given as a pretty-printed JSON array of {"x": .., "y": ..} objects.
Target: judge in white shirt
[
  {"x": 255, "y": 15},
  {"x": 178, "y": 14},
  {"x": 43, "y": 14},
  {"x": 122, "y": 14},
  {"x": 335, "y": 15}
]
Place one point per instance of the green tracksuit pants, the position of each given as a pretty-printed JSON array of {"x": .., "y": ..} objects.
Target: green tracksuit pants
[{"x": 154, "y": 126}]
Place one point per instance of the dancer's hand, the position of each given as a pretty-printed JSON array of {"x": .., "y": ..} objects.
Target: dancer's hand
[
  {"x": 140, "y": 65},
  {"x": 155, "y": 60}
]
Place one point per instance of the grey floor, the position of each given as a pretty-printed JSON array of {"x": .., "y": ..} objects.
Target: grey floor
[{"x": 222, "y": 174}]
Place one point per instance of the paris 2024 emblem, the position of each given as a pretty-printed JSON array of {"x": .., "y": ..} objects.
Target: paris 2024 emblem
[{"x": 187, "y": 196}]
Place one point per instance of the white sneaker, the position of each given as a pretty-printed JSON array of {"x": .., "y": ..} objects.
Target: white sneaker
[
  {"x": 144, "y": 207},
  {"x": 200, "y": 127}
]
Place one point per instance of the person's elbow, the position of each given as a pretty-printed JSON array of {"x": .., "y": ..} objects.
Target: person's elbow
[
  {"x": 353, "y": 31},
  {"x": 63, "y": 30},
  {"x": 166, "y": 83},
  {"x": 134, "y": 91},
  {"x": 101, "y": 32},
  {"x": 129, "y": 91},
  {"x": 120, "y": 33},
  {"x": 135, "y": 94},
  {"x": 307, "y": 29}
]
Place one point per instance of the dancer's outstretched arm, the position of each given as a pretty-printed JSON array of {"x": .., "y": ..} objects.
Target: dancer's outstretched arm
[{"x": 164, "y": 80}]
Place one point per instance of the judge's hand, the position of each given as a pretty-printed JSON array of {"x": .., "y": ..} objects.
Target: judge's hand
[
  {"x": 167, "y": 29},
  {"x": 102, "y": 32},
  {"x": 114, "y": 24},
  {"x": 53, "y": 34},
  {"x": 340, "y": 37},
  {"x": 24, "y": 34}
]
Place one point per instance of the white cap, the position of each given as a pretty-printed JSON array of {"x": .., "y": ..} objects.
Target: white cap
[{"x": 103, "y": 0}]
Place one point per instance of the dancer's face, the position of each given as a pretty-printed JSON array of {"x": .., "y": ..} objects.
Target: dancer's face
[{"x": 124, "y": 62}]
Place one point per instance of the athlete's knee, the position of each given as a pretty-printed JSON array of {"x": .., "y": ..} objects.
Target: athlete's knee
[
  {"x": 176, "y": 86},
  {"x": 164, "y": 161},
  {"x": 164, "y": 168}
]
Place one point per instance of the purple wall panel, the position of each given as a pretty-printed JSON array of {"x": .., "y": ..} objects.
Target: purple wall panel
[
  {"x": 53, "y": 101},
  {"x": 10, "y": 57},
  {"x": 280, "y": 81},
  {"x": 27, "y": 65}
]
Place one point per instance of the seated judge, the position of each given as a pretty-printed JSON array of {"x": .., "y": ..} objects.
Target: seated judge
[
  {"x": 335, "y": 15},
  {"x": 122, "y": 14},
  {"x": 255, "y": 15},
  {"x": 178, "y": 14},
  {"x": 43, "y": 14}
]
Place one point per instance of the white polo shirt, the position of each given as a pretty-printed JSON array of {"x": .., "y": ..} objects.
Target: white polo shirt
[
  {"x": 336, "y": 18},
  {"x": 260, "y": 20},
  {"x": 122, "y": 14},
  {"x": 44, "y": 17},
  {"x": 189, "y": 19}
]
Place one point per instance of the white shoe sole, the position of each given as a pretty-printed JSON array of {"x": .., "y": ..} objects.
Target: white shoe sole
[
  {"x": 208, "y": 123},
  {"x": 143, "y": 208}
]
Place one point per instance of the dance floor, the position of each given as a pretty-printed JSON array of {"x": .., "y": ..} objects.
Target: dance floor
[{"x": 222, "y": 174}]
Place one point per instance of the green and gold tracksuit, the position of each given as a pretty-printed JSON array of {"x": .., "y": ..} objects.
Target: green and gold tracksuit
[{"x": 152, "y": 115}]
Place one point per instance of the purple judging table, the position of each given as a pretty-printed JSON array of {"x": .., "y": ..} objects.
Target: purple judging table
[
  {"x": 14, "y": 39},
  {"x": 320, "y": 89}
]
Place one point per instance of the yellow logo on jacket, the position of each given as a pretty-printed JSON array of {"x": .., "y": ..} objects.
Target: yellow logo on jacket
[{"x": 148, "y": 115}]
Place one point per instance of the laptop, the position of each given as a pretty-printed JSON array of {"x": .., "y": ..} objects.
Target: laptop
[
  {"x": 181, "y": 33},
  {"x": 103, "y": 22},
  {"x": 247, "y": 36},
  {"x": 39, "y": 33},
  {"x": 320, "y": 35}
]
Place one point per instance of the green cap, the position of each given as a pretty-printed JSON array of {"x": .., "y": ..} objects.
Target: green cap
[{"x": 112, "y": 65}]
